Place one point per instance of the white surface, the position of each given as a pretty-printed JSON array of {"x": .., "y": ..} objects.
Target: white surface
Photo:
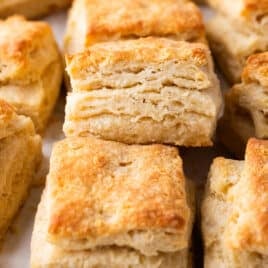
[{"x": 15, "y": 252}]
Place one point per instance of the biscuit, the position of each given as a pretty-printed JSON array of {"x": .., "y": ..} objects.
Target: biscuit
[
  {"x": 108, "y": 203},
  {"x": 30, "y": 68},
  {"x": 234, "y": 211},
  {"x": 238, "y": 30},
  {"x": 150, "y": 90},
  {"x": 92, "y": 21},
  {"x": 20, "y": 152}
]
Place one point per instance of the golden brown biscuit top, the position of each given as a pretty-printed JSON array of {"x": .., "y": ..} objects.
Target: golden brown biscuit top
[
  {"x": 131, "y": 53},
  {"x": 130, "y": 18},
  {"x": 26, "y": 48},
  {"x": 100, "y": 188},
  {"x": 256, "y": 69},
  {"x": 250, "y": 217}
]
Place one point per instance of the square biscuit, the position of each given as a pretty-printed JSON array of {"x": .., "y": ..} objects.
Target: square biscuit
[
  {"x": 103, "y": 181},
  {"x": 234, "y": 211},
  {"x": 151, "y": 90},
  {"x": 92, "y": 21},
  {"x": 31, "y": 8},
  {"x": 246, "y": 109},
  {"x": 20, "y": 152},
  {"x": 111, "y": 204},
  {"x": 238, "y": 30},
  {"x": 31, "y": 68}
]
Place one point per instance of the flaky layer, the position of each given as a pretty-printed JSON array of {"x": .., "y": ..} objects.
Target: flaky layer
[
  {"x": 93, "y": 21},
  {"x": 167, "y": 115},
  {"x": 111, "y": 58},
  {"x": 111, "y": 256},
  {"x": 104, "y": 205},
  {"x": 144, "y": 91}
]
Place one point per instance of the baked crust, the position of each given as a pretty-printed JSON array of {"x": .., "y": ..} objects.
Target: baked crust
[
  {"x": 256, "y": 69},
  {"x": 234, "y": 212},
  {"x": 148, "y": 50},
  {"x": 103, "y": 181},
  {"x": 92, "y": 21},
  {"x": 22, "y": 53},
  {"x": 20, "y": 152},
  {"x": 151, "y": 90},
  {"x": 31, "y": 8},
  {"x": 31, "y": 69},
  {"x": 246, "y": 107}
]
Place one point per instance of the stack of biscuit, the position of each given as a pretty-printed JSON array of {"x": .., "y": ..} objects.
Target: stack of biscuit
[
  {"x": 30, "y": 80},
  {"x": 141, "y": 76},
  {"x": 234, "y": 209},
  {"x": 147, "y": 87},
  {"x": 240, "y": 48},
  {"x": 142, "y": 82},
  {"x": 149, "y": 90}
]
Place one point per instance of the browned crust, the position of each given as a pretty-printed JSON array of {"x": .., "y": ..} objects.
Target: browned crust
[
  {"x": 91, "y": 180},
  {"x": 139, "y": 18},
  {"x": 255, "y": 6},
  {"x": 142, "y": 50},
  {"x": 20, "y": 45},
  {"x": 256, "y": 69}
]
